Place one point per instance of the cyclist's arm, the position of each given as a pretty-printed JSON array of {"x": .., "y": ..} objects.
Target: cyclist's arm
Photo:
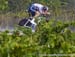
[{"x": 32, "y": 8}]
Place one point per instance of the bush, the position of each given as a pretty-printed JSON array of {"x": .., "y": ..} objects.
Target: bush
[{"x": 48, "y": 39}]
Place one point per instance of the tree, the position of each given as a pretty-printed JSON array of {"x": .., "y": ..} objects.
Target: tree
[{"x": 3, "y": 5}]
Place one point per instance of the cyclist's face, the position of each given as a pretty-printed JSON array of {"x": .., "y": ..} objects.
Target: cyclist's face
[{"x": 45, "y": 12}]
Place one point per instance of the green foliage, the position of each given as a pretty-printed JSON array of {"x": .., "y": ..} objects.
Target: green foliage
[
  {"x": 22, "y": 5},
  {"x": 48, "y": 39},
  {"x": 16, "y": 6},
  {"x": 3, "y": 4}
]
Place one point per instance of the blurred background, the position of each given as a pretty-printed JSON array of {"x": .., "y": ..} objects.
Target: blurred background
[{"x": 12, "y": 11}]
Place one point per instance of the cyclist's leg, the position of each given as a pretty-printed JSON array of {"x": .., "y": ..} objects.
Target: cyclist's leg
[{"x": 33, "y": 26}]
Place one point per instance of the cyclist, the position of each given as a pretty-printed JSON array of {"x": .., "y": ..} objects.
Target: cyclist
[{"x": 37, "y": 9}]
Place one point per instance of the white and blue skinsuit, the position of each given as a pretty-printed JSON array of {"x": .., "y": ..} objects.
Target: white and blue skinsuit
[
  {"x": 35, "y": 7},
  {"x": 32, "y": 10}
]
